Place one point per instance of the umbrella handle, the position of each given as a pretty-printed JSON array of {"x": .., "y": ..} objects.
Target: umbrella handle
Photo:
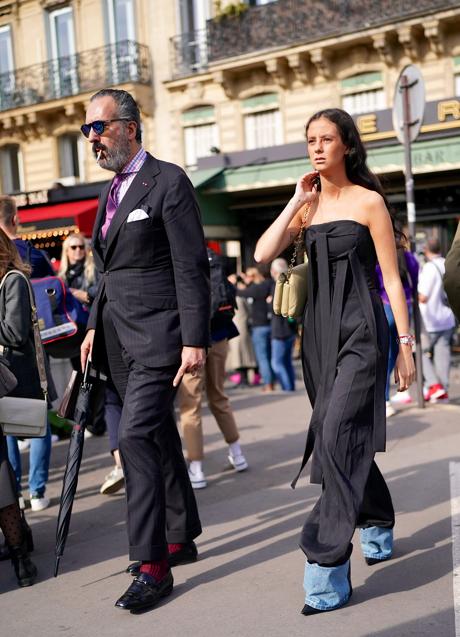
[{"x": 87, "y": 368}]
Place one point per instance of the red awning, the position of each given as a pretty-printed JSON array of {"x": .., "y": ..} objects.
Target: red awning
[{"x": 74, "y": 213}]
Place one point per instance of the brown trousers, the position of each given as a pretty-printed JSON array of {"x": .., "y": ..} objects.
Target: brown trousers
[{"x": 190, "y": 395}]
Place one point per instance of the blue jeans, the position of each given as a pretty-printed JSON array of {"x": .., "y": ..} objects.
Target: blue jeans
[
  {"x": 394, "y": 348},
  {"x": 39, "y": 462},
  {"x": 327, "y": 587},
  {"x": 436, "y": 357},
  {"x": 282, "y": 362},
  {"x": 377, "y": 542},
  {"x": 261, "y": 336}
]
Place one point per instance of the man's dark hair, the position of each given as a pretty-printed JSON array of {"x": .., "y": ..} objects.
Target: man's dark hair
[
  {"x": 433, "y": 245},
  {"x": 127, "y": 106},
  {"x": 7, "y": 210}
]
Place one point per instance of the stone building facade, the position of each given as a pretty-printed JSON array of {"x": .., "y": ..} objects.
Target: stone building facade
[{"x": 225, "y": 89}]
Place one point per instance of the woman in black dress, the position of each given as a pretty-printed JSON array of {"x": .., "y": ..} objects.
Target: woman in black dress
[{"x": 345, "y": 345}]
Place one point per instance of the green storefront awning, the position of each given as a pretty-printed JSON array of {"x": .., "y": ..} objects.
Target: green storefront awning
[
  {"x": 429, "y": 156},
  {"x": 201, "y": 177}
]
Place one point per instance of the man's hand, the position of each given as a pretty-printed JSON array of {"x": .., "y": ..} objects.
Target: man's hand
[
  {"x": 86, "y": 348},
  {"x": 193, "y": 359}
]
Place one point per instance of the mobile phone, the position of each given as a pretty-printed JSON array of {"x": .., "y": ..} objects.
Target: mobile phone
[{"x": 317, "y": 183}]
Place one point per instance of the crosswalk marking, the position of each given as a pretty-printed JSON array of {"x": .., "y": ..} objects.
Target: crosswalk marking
[{"x": 454, "y": 470}]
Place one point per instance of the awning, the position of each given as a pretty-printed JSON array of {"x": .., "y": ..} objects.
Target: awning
[
  {"x": 44, "y": 220},
  {"x": 428, "y": 156},
  {"x": 201, "y": 177}
]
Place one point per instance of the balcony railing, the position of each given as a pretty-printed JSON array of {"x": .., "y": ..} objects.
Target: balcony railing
[
  {"x": 289, "y": 22},
  {"x": 189, "y": 52},
  {"x": 90, "y": 70}
]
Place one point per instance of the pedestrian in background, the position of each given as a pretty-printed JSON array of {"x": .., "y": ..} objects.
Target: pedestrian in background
[
  {"x": 150, "y": 321},
  {"x": 259, "y": 293},
  {"x": 77, "y": 268},
  {"x": 439, "y": 324},
  {"x": 39, "y": 448},
  {"x": 452, "y": 275},
  {"x": 408, "y": 271},
  {"x": 345, "y": 351},
  {"x": 241, "y": 360},
  {"x": 79, "y": 273},
  {"x": 283, "y": 333},
  {"x": 210, "y": 379}
]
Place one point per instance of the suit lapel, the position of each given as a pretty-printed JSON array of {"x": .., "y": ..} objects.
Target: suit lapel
[{"x": 142, "y": 183}]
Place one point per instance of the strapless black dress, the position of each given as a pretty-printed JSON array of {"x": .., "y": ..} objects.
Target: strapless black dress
[{"x": 344, "y": 355}]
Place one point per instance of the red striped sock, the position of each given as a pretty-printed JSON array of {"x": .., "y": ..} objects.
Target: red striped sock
[
  {"x": 155, "y": 569},
  {"x": 174, "y": 548}
]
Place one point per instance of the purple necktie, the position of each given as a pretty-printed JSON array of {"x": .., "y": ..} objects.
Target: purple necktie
[{"x": 112, "y": 204}]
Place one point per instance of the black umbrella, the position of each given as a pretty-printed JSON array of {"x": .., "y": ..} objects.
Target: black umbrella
[{"x": 74, "y": 454}]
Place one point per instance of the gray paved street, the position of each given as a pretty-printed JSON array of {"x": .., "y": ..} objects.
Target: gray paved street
[{"x": 248, "y": 580}]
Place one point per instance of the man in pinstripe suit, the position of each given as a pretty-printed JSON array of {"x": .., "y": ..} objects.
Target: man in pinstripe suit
[{"x": 150, "y": 323}]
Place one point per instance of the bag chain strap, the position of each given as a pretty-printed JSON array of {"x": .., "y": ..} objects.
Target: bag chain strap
[
  {"x": 298, "y": 239},
  {"x": 39, "y": 354}
]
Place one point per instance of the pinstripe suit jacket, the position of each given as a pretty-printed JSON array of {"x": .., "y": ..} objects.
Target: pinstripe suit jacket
[{"x": 155, "y": 272}]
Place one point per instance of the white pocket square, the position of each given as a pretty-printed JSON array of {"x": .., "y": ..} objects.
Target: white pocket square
[{"x": 137, "y": 215}]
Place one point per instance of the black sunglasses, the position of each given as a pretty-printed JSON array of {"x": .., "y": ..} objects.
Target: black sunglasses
[
  {"x": 78, "y": 247},
  {"x": 100, "y": 125}
]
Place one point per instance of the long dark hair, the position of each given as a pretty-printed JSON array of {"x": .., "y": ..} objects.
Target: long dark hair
[
  {"x": 356, "y": 167},
  {"x": 9, "y": 257}
]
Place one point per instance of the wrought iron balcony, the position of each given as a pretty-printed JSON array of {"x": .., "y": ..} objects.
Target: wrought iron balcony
[
  {"x": 189, "y": 52},
  {"x": 289, "y": 22},
  {"x": 90, "y": 70}
]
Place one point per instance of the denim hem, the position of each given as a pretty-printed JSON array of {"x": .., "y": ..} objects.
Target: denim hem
[{"x": 325, "y": 607}]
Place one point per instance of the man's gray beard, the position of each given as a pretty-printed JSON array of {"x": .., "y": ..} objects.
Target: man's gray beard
[{"x": 115, "y": 159}]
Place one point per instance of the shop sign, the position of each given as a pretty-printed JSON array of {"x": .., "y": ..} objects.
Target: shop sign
[{"x": 439, "y": 115}]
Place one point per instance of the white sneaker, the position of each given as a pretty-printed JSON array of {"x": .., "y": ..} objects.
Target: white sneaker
[
  {"x": 197, "y": 478},
  {"x": 113, "y": 481},
  {"x": 390, "y": 410},
  {"x": 38, "y": 504},
  {"x": 402, "y": 397},
  {"x": 23, "y": 444},
  {"x": 238, "y": 462}
]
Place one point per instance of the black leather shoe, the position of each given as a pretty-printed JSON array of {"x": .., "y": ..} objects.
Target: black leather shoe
[
  {"x": 187, "y": 554},
  {"x": 370, "y": 561},
  {"x": 145, "y": 592},
  {"x": 25, "y": 569},
  {"x": 134, "y": 568}
]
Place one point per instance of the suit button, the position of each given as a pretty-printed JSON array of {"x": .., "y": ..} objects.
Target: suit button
[{"x": 107, "y": 273}]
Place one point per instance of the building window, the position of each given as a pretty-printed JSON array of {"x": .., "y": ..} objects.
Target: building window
[
  {"x": 262, "y": 121},
  {"x": 6, "y": 68},
  {"x": 11, "y": 169},
  {"x": 457, "y": 76},
  {"x": 200, "y": 134},
  {"x": 70, "y": 158},
  {"x": 363, "y": 93},
  {"x": 63, "y": 63}
]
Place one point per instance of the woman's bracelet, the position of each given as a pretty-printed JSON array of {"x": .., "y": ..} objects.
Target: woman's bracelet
[{"x": 405, "y": 339}]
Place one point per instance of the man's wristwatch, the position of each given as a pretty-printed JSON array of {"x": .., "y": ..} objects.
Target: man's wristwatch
[{"x": 405, "y": 339}]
